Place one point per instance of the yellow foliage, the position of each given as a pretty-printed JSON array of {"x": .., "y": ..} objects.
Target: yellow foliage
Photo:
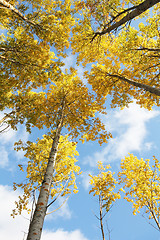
[
  {"x": 33, "y": 85},
  {"x": 65, "y": 169},
  {"x": 80, "y": 113},
  {"x": 131, "y": 53},
  {"x": 26, "y": 58},
  {"x": 103, "y": 185},
  {"x": 141, "y": 179}
]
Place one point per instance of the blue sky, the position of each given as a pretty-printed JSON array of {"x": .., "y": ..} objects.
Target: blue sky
[{"x": 135, "y": 130}]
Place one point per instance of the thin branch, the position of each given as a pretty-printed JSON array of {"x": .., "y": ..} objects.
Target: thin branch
[
  {"x": 24, "y": 236},
  {"x": 58, "y": 194},
  {"x": 17, "y": 62},
  {"x": 58, "y": 207},
  {"x": 7, "y": 115},
  {"x": 150, "y": 222},
  {"x": 153, "y": 66},
  {"x": 109, "y": 231},
  {"x": 53, "y": 201},
  {"x": 4, "y": 129}
]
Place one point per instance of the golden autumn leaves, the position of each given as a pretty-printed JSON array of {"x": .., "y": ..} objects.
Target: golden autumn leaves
[
  {"x": 65, "y": 171},
  {"x": 103, "y": 185},
  {"x": 34, "y": 87},
  {"x": 120, "y": 59},
  {"x": 67, "y": 103},
  {"x": 81, "y": 108},
  {"x": 138, "y": 179},
  {"x": 141, "y": 178}
]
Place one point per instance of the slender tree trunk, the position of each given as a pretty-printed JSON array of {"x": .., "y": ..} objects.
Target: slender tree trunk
[
  {"x": 145, "y": 87},
  {"x": 101, "y": 217},
  {"x": 142, "y": 7},
  {"x": 36, "y": 224},
  {"x": 153, "y": 215}
]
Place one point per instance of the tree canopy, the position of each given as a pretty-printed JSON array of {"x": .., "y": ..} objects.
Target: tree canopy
[{"x": 118, "y": 45}]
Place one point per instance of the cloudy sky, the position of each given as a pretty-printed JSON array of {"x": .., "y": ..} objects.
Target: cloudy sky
[{"x": 135, "y": 130}]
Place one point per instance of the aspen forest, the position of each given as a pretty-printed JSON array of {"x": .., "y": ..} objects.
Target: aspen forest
[{"x": 80, "y": 119}]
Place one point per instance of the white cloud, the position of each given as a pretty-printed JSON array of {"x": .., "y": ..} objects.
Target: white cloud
[
  {"x": 15, "y": 228},
  {"x": 148, "y": 145},
  {"x": 11, "y": 136},
  {"x": 7, "y": 136},
  {"x": 10, "y": 228},
  {"x": 60, "y": 234},
  {"x": 129, "y": 125},
  {"x": 85, "y": 180},
  {"x": 80, "y": 72},
  {"x": 7, "y": 140}
]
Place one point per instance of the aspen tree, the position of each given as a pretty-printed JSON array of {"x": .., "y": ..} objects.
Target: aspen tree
[
  {"x": 126, "y": 62},
  {"x": 103, "y": 186},
  {"x": 66, "y": 105},
  {"x": 141, "y": 181},
  {"x": 30, "y": 30},
  {"x": 126, "y": 66}
]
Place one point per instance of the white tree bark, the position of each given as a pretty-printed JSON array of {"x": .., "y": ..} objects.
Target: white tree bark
[{"x": 36, "y": 225}]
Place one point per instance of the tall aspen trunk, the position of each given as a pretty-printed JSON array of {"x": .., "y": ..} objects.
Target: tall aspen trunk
[
  {"x": 143, "y": 86},
  {"x": 36, "y": 224}
]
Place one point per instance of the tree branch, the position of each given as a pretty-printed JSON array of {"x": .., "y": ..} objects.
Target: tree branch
[
  {"x": 139, "y": 9},
  {"x": 143, "y": 86},
  {"x": 148, "y": 49},
  {"x": 6, "y": 5}
]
